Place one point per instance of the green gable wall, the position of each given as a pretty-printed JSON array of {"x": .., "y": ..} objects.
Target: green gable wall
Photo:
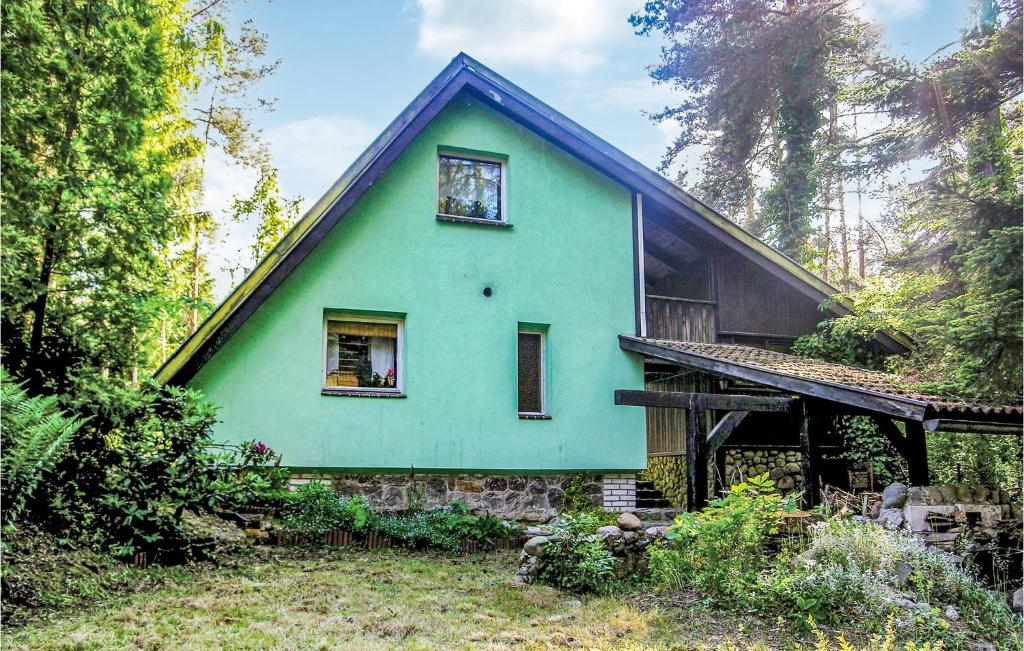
[{"x": 567, "y": 262}]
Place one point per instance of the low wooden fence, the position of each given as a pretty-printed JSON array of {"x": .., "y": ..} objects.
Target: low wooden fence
[{"x": 374, "y": 540}]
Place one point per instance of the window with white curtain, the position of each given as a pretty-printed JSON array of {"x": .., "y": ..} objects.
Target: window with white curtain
[{"x": 362, "y": 355}]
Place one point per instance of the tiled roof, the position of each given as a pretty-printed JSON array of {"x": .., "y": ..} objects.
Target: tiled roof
[{"x": 885, "y": 385}]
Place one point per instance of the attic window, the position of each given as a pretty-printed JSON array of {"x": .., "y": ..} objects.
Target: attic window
[
  {"x": 362, "y": 356},
  {"x": 470, "y": 188}
]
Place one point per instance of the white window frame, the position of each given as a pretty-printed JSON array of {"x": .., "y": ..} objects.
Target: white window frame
[
  {"x": 399, "y": 323},
  {"x": 543, "y": 371},
  {"x": 483, "y": 158}
]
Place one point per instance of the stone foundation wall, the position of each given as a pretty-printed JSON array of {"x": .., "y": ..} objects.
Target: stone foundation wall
[
  {"x": 783, "y": 466},
  {"x": 532, "y": 498},
  {"x": 668, "y": 474}
]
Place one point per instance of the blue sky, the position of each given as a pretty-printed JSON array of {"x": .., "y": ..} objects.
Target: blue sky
[{"x": 347, "y": 68}]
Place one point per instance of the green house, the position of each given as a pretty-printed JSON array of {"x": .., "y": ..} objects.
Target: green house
[{"x": 449, "y": 313}]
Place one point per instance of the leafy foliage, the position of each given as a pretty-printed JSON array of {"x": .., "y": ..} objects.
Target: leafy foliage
[
  {"x": 855, "y": 568},
  {"x": 576, "y": 558},
  {"x": 315, "y": 508},
  {"x": 141, "y": 460},
  {"x": 758, "y": 77},
  {"x": 34, "y": 436},
  {"x": 577, "y": 501},
  {"x": 722, "y": 549}
]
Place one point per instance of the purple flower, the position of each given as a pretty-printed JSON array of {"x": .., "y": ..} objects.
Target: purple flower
[{"x": 260, "y": 448}]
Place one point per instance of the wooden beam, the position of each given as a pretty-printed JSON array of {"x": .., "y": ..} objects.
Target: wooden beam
[
  {"x": 899, "y": 407},
  {"x": 917, "y": 454},
  {"x": 681, "y": 400},
  {"x": 721, "y": 431},
  {"x": 696, "y": 458},
  {"x": 888, "y": 429},
  {"x": 973, "y": 427}
]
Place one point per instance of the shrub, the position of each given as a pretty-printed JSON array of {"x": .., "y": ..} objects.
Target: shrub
[
  {"x": 134, "y": 468},
  {"x": 315, "y": 508},
  {"x": 34, "y": 436},
  {"x": 855, "y": 573},
  {"x": 577, "y": 559},
  {"x": 252, "y": 477},
  {"x": 721, "y": 549},
  {"x": 443, "y": 528},
  {"x": 577, "y": 501}
]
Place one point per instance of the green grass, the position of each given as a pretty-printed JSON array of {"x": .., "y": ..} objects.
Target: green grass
[{"x": 379, "y": 600}]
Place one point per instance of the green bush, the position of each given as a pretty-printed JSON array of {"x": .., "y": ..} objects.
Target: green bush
[
  {"x": 140, "y": 461},
  {"x": 722, "y": 549},
  {"x": 34, "y": 435},
  {"x": 252, "y": 478},
  {"x": 314, "y": 507},
  {"x": 577, "y": 501},
  {"x": 577, "y": 559},
  {"x": 852, "y": 572}
]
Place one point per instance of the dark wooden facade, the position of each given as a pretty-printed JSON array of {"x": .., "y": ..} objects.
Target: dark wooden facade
[{"x": 697, "y": 289}]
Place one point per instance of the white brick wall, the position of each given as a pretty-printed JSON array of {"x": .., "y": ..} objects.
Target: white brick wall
[{"x": 619, "y": 492}]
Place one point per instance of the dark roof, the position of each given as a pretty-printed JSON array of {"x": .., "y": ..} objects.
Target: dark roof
[
  {"x": 871, "y": 390},
  {"x": 464, "y": 74}
]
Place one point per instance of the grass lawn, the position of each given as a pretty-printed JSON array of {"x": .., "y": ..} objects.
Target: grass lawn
[{"x": 355, "y": 599}]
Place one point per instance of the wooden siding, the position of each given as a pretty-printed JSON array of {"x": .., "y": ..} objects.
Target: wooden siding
[
  {"x": 751, "y": 301},
  {"x": 666, "y": 427},
  {"x": 680, "y": 319}
]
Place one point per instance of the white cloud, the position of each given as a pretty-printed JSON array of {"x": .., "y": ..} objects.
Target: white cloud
[
  {"x": 310, "y": 154},
  {"x": 567, "y": 35},
  {"x": 880, "y": 11},
  {"x": 640, "y": 94}
]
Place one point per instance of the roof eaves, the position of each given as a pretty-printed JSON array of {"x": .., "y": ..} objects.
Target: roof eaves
[{"x": 898, "y": 406}]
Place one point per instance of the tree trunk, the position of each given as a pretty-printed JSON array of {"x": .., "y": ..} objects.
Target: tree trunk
[
  {"x": 844, "y": 249},
  {"x": 50, "y": 243}
]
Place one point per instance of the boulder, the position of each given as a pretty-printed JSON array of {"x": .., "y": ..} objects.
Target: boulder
[
  {"x": 629, "y": 522},
  {"x": 951, "y": 613},
  {"x": 894, "y": 496},
  {"x": 535, "y": 546},
  {"x": 656, "y": 532},
  {"x": 537, "y": 531},
  {"x": 611, "y": 531},
  {"x": 792, "y": 467},
  {"x": 903, "y": 571},
  {"x": 917, "y": 518},
  {"x": 891, "y": 518},
  {"x": 1017, "y": 600}
]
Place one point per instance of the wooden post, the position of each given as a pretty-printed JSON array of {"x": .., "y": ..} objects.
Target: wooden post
[
  {"x": 811, "y": 425},
  {"x": 696, "y": 457},
  {"x": 917, "y": 454}
]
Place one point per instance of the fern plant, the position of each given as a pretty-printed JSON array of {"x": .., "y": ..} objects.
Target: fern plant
[{"x": 33, "y": 435}]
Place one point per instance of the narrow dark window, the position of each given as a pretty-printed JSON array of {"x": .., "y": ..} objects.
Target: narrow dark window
[{"x": 531, "y": 373}]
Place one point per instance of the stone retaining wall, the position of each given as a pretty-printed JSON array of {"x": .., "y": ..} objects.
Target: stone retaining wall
[
  {"x": 668, "y": 474},
  {"x": 941, "y": 515},
  {"x": 531, "y": 498},
  {"x": 783, "y": 466},
  {"x": 627, "y": 540}
]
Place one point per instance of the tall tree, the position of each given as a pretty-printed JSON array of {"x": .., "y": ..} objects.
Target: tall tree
[
  {"x": 758, "y": 77},
  {"x": 955, "y": 281},
  {"x": 234, "y": 66},
  {"x": 92, "y": 135}
]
